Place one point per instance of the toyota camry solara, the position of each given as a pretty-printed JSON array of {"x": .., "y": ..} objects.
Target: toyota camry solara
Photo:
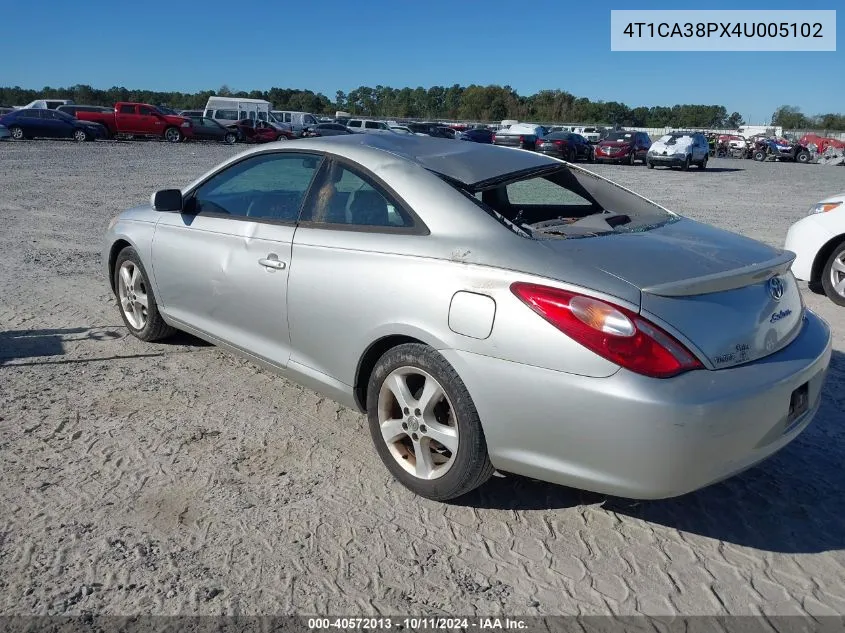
[{"x": 488, "y": 308}]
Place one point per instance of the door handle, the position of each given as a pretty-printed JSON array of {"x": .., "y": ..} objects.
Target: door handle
[{"x": 272, "y": 261}]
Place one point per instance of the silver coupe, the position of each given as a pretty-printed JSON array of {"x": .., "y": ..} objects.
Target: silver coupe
[{"x": 489, "y": 309}]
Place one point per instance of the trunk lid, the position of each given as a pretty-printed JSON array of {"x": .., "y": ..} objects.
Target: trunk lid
[{"x": 711, "y": 286}]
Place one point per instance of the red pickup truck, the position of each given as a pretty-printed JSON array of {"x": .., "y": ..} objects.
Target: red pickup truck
[{"x": 141, "y": 119}]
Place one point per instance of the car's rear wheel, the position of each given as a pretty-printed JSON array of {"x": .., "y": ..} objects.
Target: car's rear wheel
[
  {"x": 803, "y": 156},
  {"x": 230, "y": 139},
  {"x": 424, "y": 424},
  {"x": 759, "y": 156},
  {"x": 282, "y": 137},
  {"x": 80, "y": 136},
  {"x": 173, "y": 135},
  {"x": 649, "y": 164},
  {"x": 17, "y": 133},
  {"x": 632, "y": 158},
  {"x": 703, "y": 163},
  {"x": 136, "y": 300},
  {"x": 833, "y": 276}
]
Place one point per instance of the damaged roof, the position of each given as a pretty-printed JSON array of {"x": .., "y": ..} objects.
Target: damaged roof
[{"x": 464, "y": 161}]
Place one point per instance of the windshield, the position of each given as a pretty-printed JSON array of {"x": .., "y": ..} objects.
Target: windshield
[
  {"x": 567, "y": 203},
  {"x": 619, "y": 136},
  {"x": 672, "y": 139}
]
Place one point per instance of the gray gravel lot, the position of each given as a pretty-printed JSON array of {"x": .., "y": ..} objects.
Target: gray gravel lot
[{"x": 174, "y": 478}]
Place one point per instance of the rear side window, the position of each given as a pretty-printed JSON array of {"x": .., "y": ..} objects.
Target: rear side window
[
  {"x": 353, "y": 123},
  {"x": 344, "y": 197},
  {"x": 264, "y": 187},
  {"x": 145, "y": 111},
  {"x": 228, "y": 115}
]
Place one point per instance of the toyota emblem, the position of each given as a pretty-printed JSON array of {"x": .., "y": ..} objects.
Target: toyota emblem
[{"x": 776, "y": 288}]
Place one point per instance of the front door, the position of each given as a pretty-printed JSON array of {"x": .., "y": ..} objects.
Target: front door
[{"x": 222, "y": 265}]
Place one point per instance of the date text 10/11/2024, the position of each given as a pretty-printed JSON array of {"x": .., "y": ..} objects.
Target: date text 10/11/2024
[{"x": 418, "y": 623}]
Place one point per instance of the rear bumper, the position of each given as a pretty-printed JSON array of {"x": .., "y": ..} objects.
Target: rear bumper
[{"x": 644, "y": 438}]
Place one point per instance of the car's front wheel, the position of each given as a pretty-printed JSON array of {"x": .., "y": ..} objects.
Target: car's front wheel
[
  {"x": 80, "y": 135},
  {"x": 686, "y": 164},
  {"x": 173, "y": 135},
  {"x": 17, "y": 133},
  {"x": 425, "y": 425},
  {"x": 136, "y": 300},
  {"x": 230, "y": 138},
  {"x": 833, "y": 275}
]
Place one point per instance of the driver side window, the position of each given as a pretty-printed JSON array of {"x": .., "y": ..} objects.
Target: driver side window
[{"x": 264, "y": 187}]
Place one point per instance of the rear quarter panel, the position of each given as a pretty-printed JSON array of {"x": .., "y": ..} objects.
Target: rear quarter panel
[{"x": 349, "y": 289}]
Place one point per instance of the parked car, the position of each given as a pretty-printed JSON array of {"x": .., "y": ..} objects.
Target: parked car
[
  {"x": 193, "y": 114},
  {"x": 360, "y": 126},
  {"x": 430, "y": 129},
  {"x": 327, "y": 129},
  {"x": 45, "y": 123},
  {"x": 521, "y": 135},
  {"x": 73, "y": 109},
  {"x": 297, "y": 122},
  {"x": 206, "y": 129},
  {"x": 679, "y": 149},
  {"x": 566, "y": 145},
  {"x": 251, "y": 131},
  {"x": 46, "y": 104},
  {"x": 401, "y": 129},
  {"x": 4, "y": 133},
  {"x": 592, "y": 134},
  {"x": 141, "y": 119},
  {"x": 534, "y": 281},
  {"x": 623, "y": 147},
  {"x": 818, "y": 242},
  {"x": 478, "y": 135}
]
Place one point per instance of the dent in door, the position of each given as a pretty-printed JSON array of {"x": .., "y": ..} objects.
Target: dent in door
[{"x": 472, "y": 314}]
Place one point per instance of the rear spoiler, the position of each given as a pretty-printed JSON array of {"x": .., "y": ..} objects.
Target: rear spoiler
[{"x": 727, "y": 280}]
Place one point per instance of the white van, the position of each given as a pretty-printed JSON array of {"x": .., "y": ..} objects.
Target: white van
[
  {"x": 297, "y": 121},
  {"x": 228, "y": 110}
]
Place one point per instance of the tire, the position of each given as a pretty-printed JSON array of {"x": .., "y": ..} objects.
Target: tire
[
  {"x": 17, "y": 133},
  {"x": 281, "y": 137},
  {"x": 80, "y": 136},
  {"x": 649, "y": 164},
  {"x": 144, "y": 323},
  {"x": 632, "y": 158},
  {"x": 703, "y": 163},
  {"x": 230, "y": 138},
  {"x": 759, "y": 156},
  {"x": 833, "y": 276},
  {"x": 172, "y": 135},
  {"x": 685, "y": 166},
  {"x": 802, "y": 157},
  {"x": 446, "y": 474},
  {"x": 573, "y": 156}
]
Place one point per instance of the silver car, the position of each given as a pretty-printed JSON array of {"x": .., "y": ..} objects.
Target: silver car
[{"x": 489, "y": 309}]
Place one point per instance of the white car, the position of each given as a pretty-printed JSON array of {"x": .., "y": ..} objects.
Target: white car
[
  {"x": 818, "y": 242},
  {"x": 679, "y": 149}
]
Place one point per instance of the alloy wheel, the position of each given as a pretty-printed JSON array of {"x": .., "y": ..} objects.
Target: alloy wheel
[
  {"x": 837, "y": 274},
  {"x": 132, "y": 293},
  {"x": 418, "y": 423}
]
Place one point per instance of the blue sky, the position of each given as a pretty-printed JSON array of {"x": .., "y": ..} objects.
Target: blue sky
[{"x": 342, "y": 45}]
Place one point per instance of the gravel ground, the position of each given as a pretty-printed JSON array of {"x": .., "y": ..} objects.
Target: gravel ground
[{"x": 175, "y": 478}]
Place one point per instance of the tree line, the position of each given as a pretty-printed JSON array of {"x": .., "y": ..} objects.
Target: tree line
[{"x": 473, "y": 102}]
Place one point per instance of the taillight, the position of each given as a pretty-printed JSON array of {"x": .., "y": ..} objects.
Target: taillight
[
  {"x": 613, "y": 332},
  {"x": 493, "y": 139},
  {"x": 521, "y": 139},
  {"x": 560, "y": 142}
]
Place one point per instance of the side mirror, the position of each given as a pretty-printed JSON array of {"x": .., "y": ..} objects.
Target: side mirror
[{"x": 167, "y": 200}]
